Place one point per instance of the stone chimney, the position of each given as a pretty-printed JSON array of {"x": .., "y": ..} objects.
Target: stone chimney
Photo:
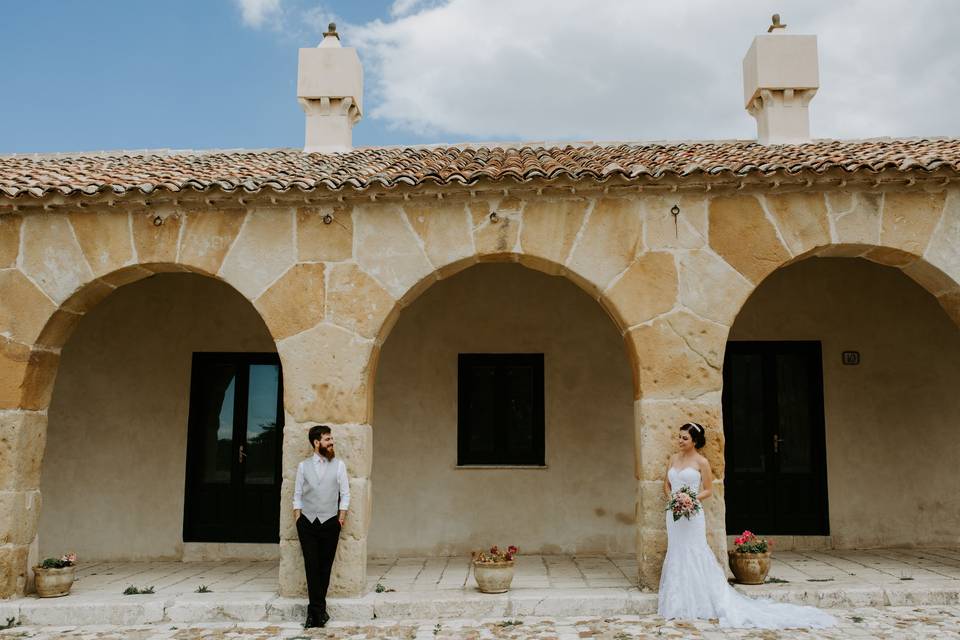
[
  {"x": 330, "y": 90},
  {"x": 780, "y": 77}
]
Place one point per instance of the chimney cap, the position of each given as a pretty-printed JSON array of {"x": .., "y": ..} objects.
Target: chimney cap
[
  {"x": 331, "y": 39},
  {"x": 775, "y": 23}
]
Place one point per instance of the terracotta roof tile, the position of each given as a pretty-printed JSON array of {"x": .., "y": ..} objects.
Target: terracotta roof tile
[{"x": 285, "y": 169}]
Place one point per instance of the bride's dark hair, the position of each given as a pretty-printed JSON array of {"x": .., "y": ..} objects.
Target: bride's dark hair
[{"x": 697, "y": 433}]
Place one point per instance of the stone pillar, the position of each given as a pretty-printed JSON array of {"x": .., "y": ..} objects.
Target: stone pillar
[
  {"x": 326, "y": 374},
  {"x": 22, "y": 439},
  {"x": 678, "y": 364}
]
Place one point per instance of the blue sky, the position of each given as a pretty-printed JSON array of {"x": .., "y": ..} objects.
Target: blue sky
[
  {"x": 179, "y": 74},
  {"x": 84, "y": 75}
]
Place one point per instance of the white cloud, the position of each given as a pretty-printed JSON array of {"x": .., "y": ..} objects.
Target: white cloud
[
  {"x": 403, "y": 7},
  {"x": 604, "y": 70},
  {"x": 256, "y": 12}
]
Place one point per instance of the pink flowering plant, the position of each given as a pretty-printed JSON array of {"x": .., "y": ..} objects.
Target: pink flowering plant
[
  {"x": 66, "y": 560},
  {"x": 495, "y": 555},
  {"x": 749, "y": 542},
  {"x": 684, "y": 503}
]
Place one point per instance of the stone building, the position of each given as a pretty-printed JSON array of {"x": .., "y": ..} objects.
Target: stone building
[{"x": 504, "y": 338}]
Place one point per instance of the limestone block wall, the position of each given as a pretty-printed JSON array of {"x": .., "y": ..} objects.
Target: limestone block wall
[
  {"x": 673, "y": 287},
  {"x": 891, "y": 420},
  {"x": 114, "y": 466},
  {"x": 582, "y": 502}
]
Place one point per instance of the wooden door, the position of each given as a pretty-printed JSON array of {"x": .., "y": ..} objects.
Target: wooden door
[
  {"x": 776, "y": 476},
  {"x": 233, "y": 449}
]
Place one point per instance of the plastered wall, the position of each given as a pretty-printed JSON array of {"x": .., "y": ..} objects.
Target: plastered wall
[
  {"x": 113, "y": 470},
  {"x": 583, "y": 502},
  {"x": 891, "y": 422}
]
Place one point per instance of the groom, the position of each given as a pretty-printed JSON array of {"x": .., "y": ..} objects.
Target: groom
[{"x": 321, "y": 497}]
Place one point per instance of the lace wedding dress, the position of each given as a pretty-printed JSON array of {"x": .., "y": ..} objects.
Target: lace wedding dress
[{"x": 694, "y": 585}]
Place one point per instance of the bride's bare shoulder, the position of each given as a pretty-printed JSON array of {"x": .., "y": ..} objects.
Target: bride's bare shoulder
[{"x": 702, "y": 461}]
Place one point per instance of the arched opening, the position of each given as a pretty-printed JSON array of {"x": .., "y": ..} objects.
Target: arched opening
[
  {"x": 840, "y": 399},
  {"x": 163, "y": 435},
  {"x": 452, "y": 431}
]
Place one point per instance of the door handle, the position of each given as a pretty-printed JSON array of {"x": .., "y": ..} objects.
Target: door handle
[
  {"x": 777, "y": 441},
  {"x": 242, "y": 454}
]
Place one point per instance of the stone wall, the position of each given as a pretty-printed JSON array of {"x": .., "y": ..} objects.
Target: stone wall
[
  {"x": 582, "y": 502},
  {"x": 891, "y": 420},
  {"x": 117, "y": 424},
  {"x": 329, "y": 294}
]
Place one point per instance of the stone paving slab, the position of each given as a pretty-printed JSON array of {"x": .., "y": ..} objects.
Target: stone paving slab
[
  {"x": 422, "y": 605},
  {"x": 863, "y": 622},
  {"x": 443, "y": 588}
]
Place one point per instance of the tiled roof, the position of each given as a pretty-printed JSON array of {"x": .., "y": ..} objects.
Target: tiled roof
[{"x": 284, "y": 169}]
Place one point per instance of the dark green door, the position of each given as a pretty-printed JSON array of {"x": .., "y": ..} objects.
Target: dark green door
[
  {"x": 233, "y": 448},
  {"x": 776, "y": 475}
]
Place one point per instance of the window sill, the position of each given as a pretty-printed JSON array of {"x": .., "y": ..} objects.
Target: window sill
[{"x": 535, "y": 467}]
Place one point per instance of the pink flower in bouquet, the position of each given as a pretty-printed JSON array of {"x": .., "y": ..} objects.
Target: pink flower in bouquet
[{"x": 512, "y": 549}]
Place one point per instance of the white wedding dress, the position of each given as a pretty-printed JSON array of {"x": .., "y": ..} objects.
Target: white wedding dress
[{"x": 694, "y": 585}]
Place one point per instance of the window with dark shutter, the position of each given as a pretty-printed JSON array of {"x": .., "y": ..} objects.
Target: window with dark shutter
[{"x": 500, "y": 409}]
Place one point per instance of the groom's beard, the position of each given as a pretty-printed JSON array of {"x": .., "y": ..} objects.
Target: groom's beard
[{"x": 326, "y": 452}]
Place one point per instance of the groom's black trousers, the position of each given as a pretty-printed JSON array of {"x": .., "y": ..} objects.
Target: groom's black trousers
[{"x": 318, "y": 541}]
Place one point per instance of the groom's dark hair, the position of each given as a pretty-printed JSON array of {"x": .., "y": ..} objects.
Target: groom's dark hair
[
  {"x": 697, "y": 433},
  {"x": 316, "y": 432}
]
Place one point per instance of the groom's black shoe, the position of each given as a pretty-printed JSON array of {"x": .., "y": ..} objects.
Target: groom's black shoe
[
  {"x": 324, "y": 619},
  {"x": 314, "y": 618}
]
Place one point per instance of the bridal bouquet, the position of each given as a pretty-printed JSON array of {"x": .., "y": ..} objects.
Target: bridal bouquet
[{"x": 684, "y": 503}]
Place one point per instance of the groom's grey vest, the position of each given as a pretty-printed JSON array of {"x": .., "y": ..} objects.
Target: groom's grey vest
[{"x": 321, "y": 491}]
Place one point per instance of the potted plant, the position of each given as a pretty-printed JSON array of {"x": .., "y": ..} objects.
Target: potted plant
[
  {"x": 493, "y": 570},
  {"x": 54, "y": 576},
  {"x": 750, "y": 561}
]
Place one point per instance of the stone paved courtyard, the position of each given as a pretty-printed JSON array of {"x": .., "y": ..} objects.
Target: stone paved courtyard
[
  {"x": 425, "y": 589},
  {"x": 890, "y": 567},
  {"x": 883, "y": 622}
]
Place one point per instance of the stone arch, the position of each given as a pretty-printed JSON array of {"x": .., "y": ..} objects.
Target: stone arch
[
  {"x": 503, "y": 306},
  {"x": 904, "y": 384},
  {"x": 391, "y": 252},
  {"x": 58, "y": 266},
  {"x": 914, "y": 231}
]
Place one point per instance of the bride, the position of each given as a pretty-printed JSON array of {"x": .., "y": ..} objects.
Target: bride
[{"x": 693, "y": 584}]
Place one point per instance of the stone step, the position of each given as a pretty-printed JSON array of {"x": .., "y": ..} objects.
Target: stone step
[{"x": 98, "y": 609}]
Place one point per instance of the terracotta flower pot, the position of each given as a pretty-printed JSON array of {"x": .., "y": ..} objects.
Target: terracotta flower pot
[
  {"x": 493, "y": 577},
  {"x": 749, "y": 568},
  {"x": 53, "y": 583}
]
